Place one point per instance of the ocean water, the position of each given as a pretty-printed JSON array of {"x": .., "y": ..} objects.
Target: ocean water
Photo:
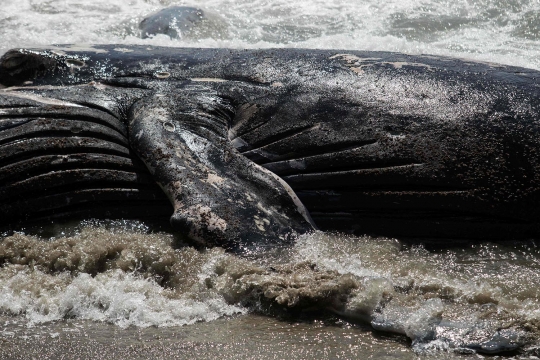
[{"x": 128, "y": 289}]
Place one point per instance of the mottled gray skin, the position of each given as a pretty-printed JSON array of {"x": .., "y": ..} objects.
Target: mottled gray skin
[
  {"x": 171, "y": 21},
  {"x": 370, "y": 142}
]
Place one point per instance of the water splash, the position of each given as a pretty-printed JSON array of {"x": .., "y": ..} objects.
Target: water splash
[
  {"x": 468, "y": 300},
  {"x": 496, "y": 31}
]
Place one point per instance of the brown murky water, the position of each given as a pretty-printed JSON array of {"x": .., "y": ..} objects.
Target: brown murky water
[{"x": 121, "y": 290}]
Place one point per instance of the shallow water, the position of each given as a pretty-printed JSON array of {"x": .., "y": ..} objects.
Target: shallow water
[
  {"x": 232, "y": 338},
  {"x": 122, "y": 290},
  {"x": 480, "y": 297}
]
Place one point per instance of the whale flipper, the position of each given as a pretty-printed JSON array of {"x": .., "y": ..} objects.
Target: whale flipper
[{"x": 219, "y": 196}]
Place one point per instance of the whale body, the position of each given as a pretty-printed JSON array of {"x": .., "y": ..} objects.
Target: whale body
[{"x": 248, "y": 147}]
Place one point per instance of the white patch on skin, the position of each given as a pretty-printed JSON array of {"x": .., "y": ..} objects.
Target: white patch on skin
[
  {"x": 260, "y": 225},
  {"x": 177, "y": 185},
  {"x": 357, "y": 69},
  {"x": 40, "y": 99},
  {"x": 400, "y": 64},
  {"x": 396, "y": 137},
  {"x": 99, "y": 85},
  {"x": 205, "y": 214},
  {"x": 197, "y": 144},
  {"x": 75, "y": 47},
  {"x": 213, "y": 179},
  {"x": 58, "y": 52},
  {"x": 266, "y": 211},
  {"x": 357, "y": 64},
  {"x": 208, "y": 80},
  {"x": 277, "y": 84},
  {"x": 160, "y": 114},
  {"x": 349, "y": 58},
  {"x": 124, "y": 50},
  {"x": 179, "y": 154},
  {"x": 353, "y": 62},
  {"x": 40, "y": 87}
]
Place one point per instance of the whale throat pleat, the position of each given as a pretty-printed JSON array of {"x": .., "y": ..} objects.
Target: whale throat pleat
[
  {"x": 59, "y": 160},
  {"x": 38, "y": 110}
]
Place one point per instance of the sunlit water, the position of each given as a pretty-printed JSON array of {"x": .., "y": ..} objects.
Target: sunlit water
[{"x": 122, "y": 290}]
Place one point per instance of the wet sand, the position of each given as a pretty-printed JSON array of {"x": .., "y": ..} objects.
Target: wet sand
[{"x": 240, "y": 337}]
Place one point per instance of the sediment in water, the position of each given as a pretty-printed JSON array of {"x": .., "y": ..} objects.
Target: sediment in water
[{"x": 474, "y": 299}]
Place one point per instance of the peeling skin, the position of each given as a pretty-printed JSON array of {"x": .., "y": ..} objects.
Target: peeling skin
[
  {"x": 263, "y": 209},
  {"x": 37, "y": 98},
  {"x": 123, "y": 50},
  {"x": 213, "y": 179},
  {"x": 357, "y": 65},
  {"x": 204, "y": 214},
  {"x": 208, "y": 80},
  {"x": 260, "y": 224},
  {"x": 353, "y": 62},
  {"x": 62, "y": 50},
  {"x": 351, "y": 58},
  {"x": 28, "y": 87},
  {"x": 400, "y": 64}
]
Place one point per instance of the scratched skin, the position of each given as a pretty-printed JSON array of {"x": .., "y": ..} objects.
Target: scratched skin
[{"x": 251, "y": 145}]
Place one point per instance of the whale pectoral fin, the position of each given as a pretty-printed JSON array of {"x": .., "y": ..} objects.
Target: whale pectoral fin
[{"x": 219, "y": 196}]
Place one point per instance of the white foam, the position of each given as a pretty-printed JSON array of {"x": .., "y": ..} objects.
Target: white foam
[
  {"x": 115, "y": 297},
  {"x": 129, "y": 278},
  {"x": 459, "y": 29}
]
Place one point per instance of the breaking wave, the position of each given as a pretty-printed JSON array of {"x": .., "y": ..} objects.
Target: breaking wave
[{"x": 476, "y": 299}]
